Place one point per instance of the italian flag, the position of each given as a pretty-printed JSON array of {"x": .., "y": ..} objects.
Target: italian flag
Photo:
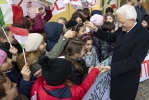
[
  {"x": 20, "y": 34},
  {"x": 10, "y": 14},
  {"x": 112, "y": 3}
]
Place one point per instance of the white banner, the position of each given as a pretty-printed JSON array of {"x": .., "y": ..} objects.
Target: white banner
[
  {"x": 58, "y": 7},
  {"x": 144, "y": 69},
  {"x": 100, "y": 90},
  {"x": 74, "y": 2}
]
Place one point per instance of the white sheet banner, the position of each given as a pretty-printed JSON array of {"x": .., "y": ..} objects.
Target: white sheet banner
[
  {"x": 144, "y": 69},
  {"x": 74, "y": 2},
  {"x": 58, "y": 7},
  {"x": 100, "y": 90}
]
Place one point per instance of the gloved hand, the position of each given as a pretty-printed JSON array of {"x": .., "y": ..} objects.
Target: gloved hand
[{"x": 70, "y": 23}]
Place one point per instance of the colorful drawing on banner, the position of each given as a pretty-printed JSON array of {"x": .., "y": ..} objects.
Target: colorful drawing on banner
[
  {"x": 2, "y": 1},
  {"x": 58, "y": 7},
  {"x": 100, "y": 90},
  {"x": 23, "y": 4},
  {"x": 90, "y": 5}
]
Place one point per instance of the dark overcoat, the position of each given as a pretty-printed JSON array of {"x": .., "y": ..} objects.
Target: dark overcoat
[{"x": 129, "y": 52}]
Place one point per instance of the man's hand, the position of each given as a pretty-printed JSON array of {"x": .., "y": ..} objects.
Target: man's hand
[{"x": 91, "y": 26}]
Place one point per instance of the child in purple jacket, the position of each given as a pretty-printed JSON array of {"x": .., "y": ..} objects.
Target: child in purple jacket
[{"x": 38, "y": 17}]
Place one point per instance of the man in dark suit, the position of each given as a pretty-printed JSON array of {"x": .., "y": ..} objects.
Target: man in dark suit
[{"x": 131, "y": 46}]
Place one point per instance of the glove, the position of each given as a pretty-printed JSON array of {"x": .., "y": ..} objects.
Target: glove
[{"x": 70, "y": 23}]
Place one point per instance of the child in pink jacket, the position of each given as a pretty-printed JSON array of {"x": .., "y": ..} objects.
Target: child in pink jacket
[{"x": 38, "y": 16}]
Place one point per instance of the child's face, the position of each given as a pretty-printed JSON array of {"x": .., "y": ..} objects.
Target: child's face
[
  {"x": 11, "y": 38},
  {"x": 88, "y": 45},
  {"x": 144, "y": 24},
  {"x": 61, "y": 21},
  {"x": 109, "y": 19},
  {"x": 42, "y": 47},
  {"x": 6, "y": 65},
  {"x": 82, "y": 31},
  {"x": 10, "y": 90},
  {"x": 81, "y": 54},
  {"x": 79, "y": 20}
]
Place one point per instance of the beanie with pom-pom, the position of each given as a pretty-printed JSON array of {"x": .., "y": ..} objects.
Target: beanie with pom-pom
[{"x": 55, "y": 71}]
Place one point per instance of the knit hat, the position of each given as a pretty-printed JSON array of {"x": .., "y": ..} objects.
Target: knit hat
[
  {"x": 53, "y": 31},
  {"x": 55, "y": 71},
  {"x": 33, "y": 42},
  {"x": 3, "y": 55},
  {"x": 32, "y": 10},
  {"x": 146, "y": 18},
  {"x": 99, "y": 12},
  {"x": 96, "y": 19}
]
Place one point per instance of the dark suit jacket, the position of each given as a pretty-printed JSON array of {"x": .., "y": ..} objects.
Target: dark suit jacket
[{"x": 129, "y": 53}]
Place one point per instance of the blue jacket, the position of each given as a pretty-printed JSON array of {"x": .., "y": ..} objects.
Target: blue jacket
[
  {"x": 140, "y": 12},
  {"x": 15, "y": 76},
  {"x": 53, "y": 31}
]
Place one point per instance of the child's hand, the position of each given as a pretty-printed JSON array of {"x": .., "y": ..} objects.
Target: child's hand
[
  {"x": 37, "y": 73},
  {"x": 70, "y": 34},
  {"x": 90, "y": 68},
  {"x": 26, "y": 73},
  {"x": 13, "y": 51},
  {"x": 89, "y": 53}
]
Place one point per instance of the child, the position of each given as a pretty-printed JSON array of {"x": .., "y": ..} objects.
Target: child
[
  {"x": 87, "y": 13},
  {"x": 74, "y": 52},
  {"x": 36, "y": 46},
  {"x": 80, "y": 30},
  {"x": 37, "y": 18},
  {"x": 76, "y": 16},
  {"x": 111, "y": 18},
  {"x": 62, "y": 20},
  {"x": 51, "y": 85},
  {"x": 106, "y": 49},
  {"x": 97, "y": 20},
  {"x": 145, "y": 22},
  {"x": 9, "y": 67},
  {"x": 4, "y": 45},
  {"x": 8, "y": 89},
  {"x": 90, "y": 57}
]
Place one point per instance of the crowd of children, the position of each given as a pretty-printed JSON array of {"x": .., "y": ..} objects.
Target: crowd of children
[{"x": 62, "y": 57}]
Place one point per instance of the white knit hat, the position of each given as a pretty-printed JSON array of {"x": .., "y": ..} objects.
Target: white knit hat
[{"x": 33, "y": 42}]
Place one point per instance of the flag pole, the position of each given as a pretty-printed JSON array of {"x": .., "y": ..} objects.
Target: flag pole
[
  {"x": 6, "y": 36},
  {"x": 24, "y": 56},
  {"x": 68, "y": 11},
  {"x": 104, "y": 5}
]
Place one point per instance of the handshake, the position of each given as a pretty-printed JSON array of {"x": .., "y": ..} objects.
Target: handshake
[{"x": 102, "y": 69}]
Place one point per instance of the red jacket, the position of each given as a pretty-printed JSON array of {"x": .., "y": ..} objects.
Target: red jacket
[{"x": 63, "y": 92}]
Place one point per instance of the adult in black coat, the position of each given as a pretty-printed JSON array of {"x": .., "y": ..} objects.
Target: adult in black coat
[{"x": 131, "y": 46}]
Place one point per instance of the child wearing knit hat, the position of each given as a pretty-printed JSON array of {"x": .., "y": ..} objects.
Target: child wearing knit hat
[
  {"x": 51, "y": 85},
  {"x": 36, "y": 46},
  {"x": 145, "y": 22},
  {"x": 97, "y": 20}
]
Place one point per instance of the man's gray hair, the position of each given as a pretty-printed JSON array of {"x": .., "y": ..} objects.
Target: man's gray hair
[{"x": 128, "y": 11}]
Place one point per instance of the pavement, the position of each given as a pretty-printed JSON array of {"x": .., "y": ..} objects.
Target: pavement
[{"x": 143, "y": 91}]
